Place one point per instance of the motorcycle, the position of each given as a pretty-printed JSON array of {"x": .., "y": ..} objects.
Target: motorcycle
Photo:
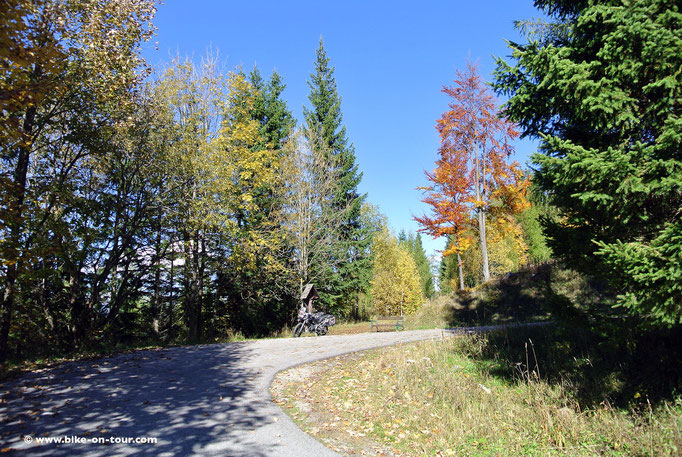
[{"x": 317, "y": 323}]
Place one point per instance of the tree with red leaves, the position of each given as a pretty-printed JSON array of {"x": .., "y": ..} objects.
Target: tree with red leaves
[
  {"x": 449, "y": 195},
  {"x": 472, "y": 174}
]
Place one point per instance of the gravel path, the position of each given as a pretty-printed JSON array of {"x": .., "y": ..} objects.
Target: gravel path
[{"x": 198, "y": 400}]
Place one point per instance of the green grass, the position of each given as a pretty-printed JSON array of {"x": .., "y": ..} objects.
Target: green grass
[
  {"x": 532, "y": 294},
  {"x": 464, "y": 397},
  {"x": 594, "y": 382}
]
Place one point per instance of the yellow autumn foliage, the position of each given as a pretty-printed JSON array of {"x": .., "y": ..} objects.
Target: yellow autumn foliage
[
  {"x": 253, "y": 171},
  {"x": 396, "y": 287},
  {"x": 507, "y": 250}
]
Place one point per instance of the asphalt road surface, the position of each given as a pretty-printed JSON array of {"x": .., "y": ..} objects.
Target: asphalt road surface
[{"x": 206, "y": 400}]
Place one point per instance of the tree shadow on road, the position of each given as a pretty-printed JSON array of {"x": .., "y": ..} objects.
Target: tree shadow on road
[{"x": 195, "y": 400}]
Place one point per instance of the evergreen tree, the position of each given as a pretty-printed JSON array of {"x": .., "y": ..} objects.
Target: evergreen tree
[
  {"x": 275, "y": 125},
  {"x": 601, "y": 87},
  {"x": 531, "y": 223},
  {"x": 324, "y": 118},
  {"x": 279, "y": 121},
  {"x": 255, "y": 276},
  {"x": 257, "y": 110},
  {"x": 270, "y": 110},
  {"x": 448, "y": 272},
  {"x": 424, "y": 267}
]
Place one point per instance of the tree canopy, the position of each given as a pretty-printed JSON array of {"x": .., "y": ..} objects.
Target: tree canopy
[
  {"x": 396, "y": 287},
  {"x": 472, "y": 175},
  {"x": 178, "y": 207},
  {"x": 600, "y": 86}
]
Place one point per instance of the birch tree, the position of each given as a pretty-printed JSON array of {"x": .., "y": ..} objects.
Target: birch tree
[
  {"x": 314, "y": 230},
  {"x": 200, "y": 171}
]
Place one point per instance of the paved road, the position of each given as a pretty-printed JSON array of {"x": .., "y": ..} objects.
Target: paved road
[{"x": 198, "y": 400}]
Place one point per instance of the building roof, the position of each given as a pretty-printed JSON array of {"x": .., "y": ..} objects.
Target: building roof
[{"x": 309, "y": 292}]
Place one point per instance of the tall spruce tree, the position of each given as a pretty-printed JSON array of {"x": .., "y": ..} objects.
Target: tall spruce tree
[
  {"x": 601, "y": 87},
  {"x": 324, "y": 118},
  {"x": 270, "y": 110},
  {"x": 279, "y": 122}
]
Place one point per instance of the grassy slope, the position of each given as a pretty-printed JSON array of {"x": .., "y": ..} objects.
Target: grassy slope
[
  {"x": 574, "y": 388},
  {"x": 447, "y": 398}
]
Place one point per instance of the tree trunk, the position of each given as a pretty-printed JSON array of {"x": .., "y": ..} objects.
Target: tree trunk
[
  {"x": 201, "y": 268},
  {"x": 77, "y": 308},
  {"x": 8, "y": 298},
  {"x": 16, "y": 203},
  {"x": 156, "y": 300},
  {"x": 484, "y": 245},
  {"x": 171, "y": 298},
  {"x": 189, "y": 301},
  {"x": 479, "y": 178},
  {"x": 459, "y": 261},
  {"x": 461, "y": 272}
]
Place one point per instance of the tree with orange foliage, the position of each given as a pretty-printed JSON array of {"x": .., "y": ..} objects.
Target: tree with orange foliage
[
  {"x": 472, "y": 176},
  {"x": 449, "y": 196}
]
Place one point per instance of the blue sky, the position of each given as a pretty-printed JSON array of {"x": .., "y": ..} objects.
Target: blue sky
[{"x": 391, "y": 59}]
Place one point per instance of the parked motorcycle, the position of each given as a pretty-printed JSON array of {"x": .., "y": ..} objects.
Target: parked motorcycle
[{"x": 317, "y": 323}]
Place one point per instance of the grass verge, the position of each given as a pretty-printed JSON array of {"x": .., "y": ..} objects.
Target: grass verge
[{"x": 464, "y": 397}]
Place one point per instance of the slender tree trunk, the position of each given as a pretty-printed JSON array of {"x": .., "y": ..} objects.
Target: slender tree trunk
[
  {"x": 201, "y": 268},
  {"x": 461, "y": 272},
  {"x": 187, "y": 303},
  {"x": 481, "y": 212},
  {"x": 484, "y": 245},
  {"x": 16, "y": 206},
  {"x": 218, "y": 325},
  {"x": 156, "y": 299},
  {"x": 76, "y": 306},
  {"x": 8, "y": 298},
  {"x": 190, "y": 298},
  {"x": 171, "y": 298},
  {"x": 192, "y": 286},
  {"x": 459, "y": 264}
]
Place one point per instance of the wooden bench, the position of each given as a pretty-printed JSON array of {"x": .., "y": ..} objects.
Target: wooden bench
[{"x": 396, "y": 322}]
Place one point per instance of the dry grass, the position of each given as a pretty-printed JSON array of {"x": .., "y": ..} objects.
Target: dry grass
[
  {"x": 439, "y": 399},
  {"x": 349, "y": 328},
  {"x": 574, "y": 388},
  {"x": 434, "y": 314}
]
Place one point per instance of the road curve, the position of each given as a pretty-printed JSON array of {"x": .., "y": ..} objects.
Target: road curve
[{"x": 197, "y": 400}]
